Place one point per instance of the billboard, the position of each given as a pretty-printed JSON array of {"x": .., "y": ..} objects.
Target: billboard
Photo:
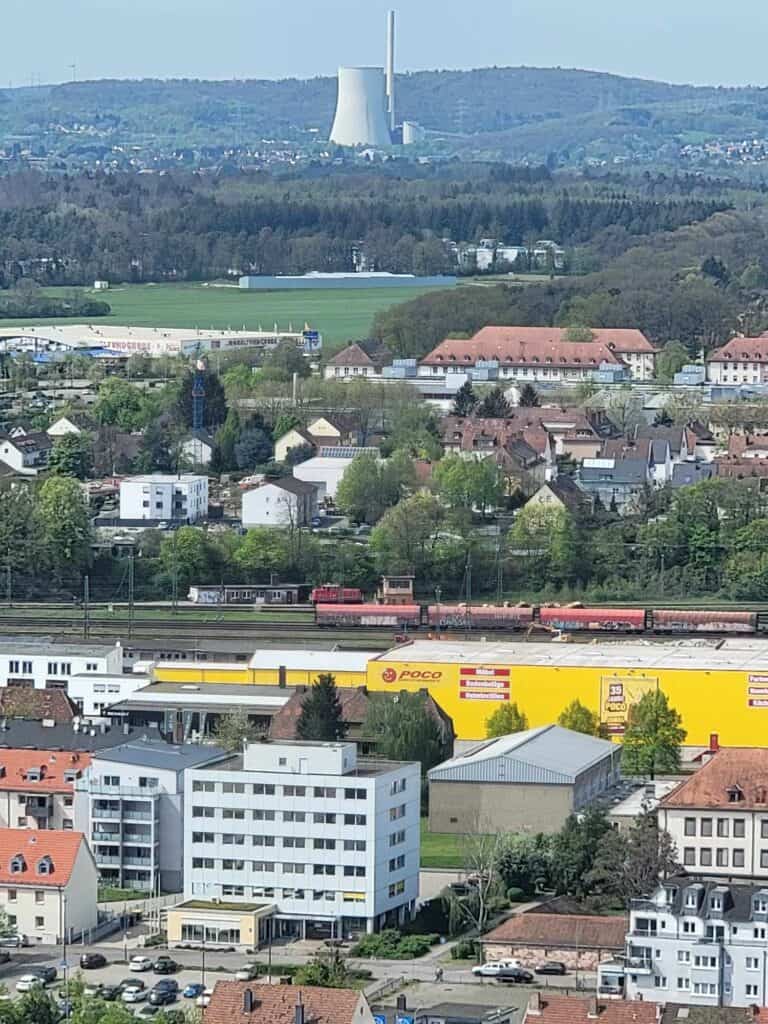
[
  {"x": 484, "y": 682},
  {"x": 617, "y": 695}
]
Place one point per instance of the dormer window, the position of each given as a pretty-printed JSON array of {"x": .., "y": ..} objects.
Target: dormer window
[
  {"x": 716, "y": 902},
  {"x": 735, "y": 794},
  {"x": 692, "y": 898},
  {"x": 760, "y": 904},
  {"x": 17, "y": 864},
  {"x": 32, "y": 775},
  {"x": 45, "y": 866}
]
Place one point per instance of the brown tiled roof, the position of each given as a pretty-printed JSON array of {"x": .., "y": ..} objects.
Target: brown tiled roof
[
  {"x": 33, "y": 845},
  {"x": 740, "y": 350},
  {"x": 740, "y": 468},
  {"x": 547, "y": 346},
  {"x": 38, "y": 705},
  {"x": 576, "y": 1010},
  {"x": 370, "y": 353},
  {"x": 623, "y": 447},
  {"x": 733, "y": 770},
  {"x": 276, "y": 1004},
  {"x": 532, "y": 424},
  {"x": 740, "y": 443},
  {"x": 561, "y": 931},
  {"x": 51, "y": 765}
]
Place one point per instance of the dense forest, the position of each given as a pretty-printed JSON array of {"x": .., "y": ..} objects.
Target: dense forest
[
  {"x": 72, "y": 229},
  {"x": 556, "y": 114}
]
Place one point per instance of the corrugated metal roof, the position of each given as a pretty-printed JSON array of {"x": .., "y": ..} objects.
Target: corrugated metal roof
[
  {"x": 550, "y": 755},
  {"x": 311, "y": 661}
]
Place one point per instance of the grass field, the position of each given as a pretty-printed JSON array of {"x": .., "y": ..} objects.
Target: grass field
[
  {"x": 440, "y": 849},
  {"x": 340, "y": 316}
]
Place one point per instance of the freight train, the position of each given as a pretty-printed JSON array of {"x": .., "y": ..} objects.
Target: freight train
[{"x": 450, "y": 617}]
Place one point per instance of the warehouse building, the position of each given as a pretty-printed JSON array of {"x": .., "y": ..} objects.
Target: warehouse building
[
  {"x": 527, "y": 782},
  {"x": 272, "y": 666}
]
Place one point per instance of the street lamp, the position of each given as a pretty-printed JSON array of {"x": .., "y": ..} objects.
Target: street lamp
[{"x": 64, "y": 965}]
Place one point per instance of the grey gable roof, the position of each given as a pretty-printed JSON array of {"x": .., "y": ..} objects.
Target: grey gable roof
[
  {"x": 548, "y": 754},
  {"x": 624, "y": 471}
]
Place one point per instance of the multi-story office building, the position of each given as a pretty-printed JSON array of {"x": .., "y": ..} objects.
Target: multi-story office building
[
  {"x": 164, "y": 498},
  {"x": 329, "y": 842},
  {"x": 37, "y": 787},
  {"x": 699, "y": 942},
  {"x": 43, "y": 666},
  {"x": 130, "y": 805},
  {"x": 718, "y": 818}
]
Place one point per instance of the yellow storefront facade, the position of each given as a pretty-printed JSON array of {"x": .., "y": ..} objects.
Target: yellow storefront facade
[{"x": 270, "y": 667}]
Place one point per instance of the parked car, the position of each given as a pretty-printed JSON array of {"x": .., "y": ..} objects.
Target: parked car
[
  {"x": 27, "y": 982},
  {"x": 92, "y": 961},
  {"x": 135, "y": 993},
  {"x": 165, "y": 965},
  {"x": 193, "y": 990},
  {"x": 163, "y": 996},
  {"x": 248, "y": 971},
  {"x": 204, "y": 998},
  {"x": 14, "y": 940},
  {"x": 96, "y": 988},
  {"x": 47, "y": 973},
  {"x": 515, "y": 976},
  {"x": 5, "y": 956},
  {"x": 109, "y": 993},
  {"x": 551, "y": 967},
  {"x": 147, "y": 1012},
  {"x": 139, "y": 963},
  {"x": 492, "y": 968}
]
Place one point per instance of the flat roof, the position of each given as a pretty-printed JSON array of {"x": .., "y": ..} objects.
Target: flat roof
[
  {"x": 164, "y": 478},
  {"x": 626, "y": 654},
  {"x": 364, "y": 768},
  {"x": 240, "y": 908},
  {"x": 80, "y": 335},
  {"x": 158, "y": 754},
  {"x": 206, "y": 695},
  {"x": 8, "y": 645},
  {"x": 311, "y": 661}
]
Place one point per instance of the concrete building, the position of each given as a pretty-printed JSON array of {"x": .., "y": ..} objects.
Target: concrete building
[
  {"x": 328, "y": 467},
  {"x": 329, "y": 842},
  {"x": 526, "y": 782},
  {"x": 702, "y": 942},
  {"x": 361, "y": 109},
  {"x": 181, "y": 498},
  {"x": 27, "y": 664},
  {"x": 37, "y": 788},
  {"x": 288, "y": 501},
  {"x": 718, "y": 818},
  {"x": 92, "y": 694},
  {"x": 130, "y": 805},
  {"x": 48, "y": 884},
  {"x": 580, "y": 941},
  {"x": 740, "y": 361}
]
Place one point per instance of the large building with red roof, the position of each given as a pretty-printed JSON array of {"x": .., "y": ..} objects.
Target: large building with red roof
[
  {"x": 740, "y": 361},
  {"x": 48, "y": 883},
  {"x": 37, "y": 787},
  {"x": 546, "y": 355}
]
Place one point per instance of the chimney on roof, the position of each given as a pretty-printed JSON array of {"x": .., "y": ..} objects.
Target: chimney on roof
[
  {"x": 534, "y": 1005},
  {"x": 401, "y": 1003},
  {"x": 714, "y": 742},
  {"x": 249, "y": 1003},
  {"x": 299, "y": 1010},
  {"x": 592, "y": 1009}
]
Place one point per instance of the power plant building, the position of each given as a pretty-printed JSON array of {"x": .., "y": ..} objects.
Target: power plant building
[{"x": 361, "y": 110}]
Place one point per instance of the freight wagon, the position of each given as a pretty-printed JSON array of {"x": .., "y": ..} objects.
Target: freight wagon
[
  {"x": 611, "y": 620},
  {"x": 682, "y": 621},
  {"x": 484, "y": 616},
  {"x": 402, "y": 616}
]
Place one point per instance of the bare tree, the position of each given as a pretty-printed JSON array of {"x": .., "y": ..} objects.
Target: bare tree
[{"x": 471, "y": 908}]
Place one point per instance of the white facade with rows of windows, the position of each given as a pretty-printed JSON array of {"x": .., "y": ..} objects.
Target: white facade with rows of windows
[
  {"x": 44, "y": 666},
  {"x": 332, "y": 843},
  {"x": 719, "y": 841},
  {"x": 702, "y": 943}
]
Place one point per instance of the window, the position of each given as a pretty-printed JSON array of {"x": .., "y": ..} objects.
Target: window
[
  {"x": 324, "y": 819},
  {"x": 764, "y": 858},
  {"x": 202, "y": 812},
  {"x": 752, "y": 963},
  {"x": 281, "y": 761},
  {"x": 398, "y": 786},
  {"x": 233, "y": 813},
  {"x": 294, "y": 843},
  {"x": 689, "y": 855},
  {"x": 12, "y": 895},
  {"x": 759, "y": 933},
  {"x": 294, "y": 791},
  {"x": 263, "y": 865},
  {"x": 721, "y": 857},
  {"x": 323, "y": 869},
  {"x": 396, "y": 889},
  {"x": 323, "y": 844},
  {"x": 738, "y": 828},
  {"x": 354, "y": 819},
  {"x": 395, "y": 813},
  {"x": 722, "y": 827},
  {"x": 148, "y": 782},
  {"x": 39, "y": 922},
  {"x": 198, "y": 786},
  {"x": 705, "y": 856},
  {"x": 44, "y": 865},
  {"x": 66, "y": 823},
  {"x": 263, "y": 840},
  {"x": 268, "y": 816},
  {"x": 397, "y": 837},
  {"x": 232, "y": 839},
  {"x": 737, "y": 858},
  {"x": 294, "y": 816},
  {"x": 764, "y": 828},
  {"x": 689, "y": 927},
  {"x": 683, "y": 956},
  {"x": 203, "y": 862},
  {"x": 202, "y": 837},
  {"x": 706, "y": 826},
  {"x": 67, "y": 801},
  {"x": 13, "y": 667},
  {"x": 233, "y": 787},
  {"x": 354, "y": 845},
  {"x": 53, "y": 668},
  {"x": 355, "y": 794},
  {"x": 683, "y": 984},
  {"x": 705, "y": 961},
  {"x": 294, "y": 869},
  {"x": 324, "y": 791},
  {"x": 26, "y": 668},
  {"x": 111, "y": 780},
  {"x": 716, "y": 902},
  {"x": 232, "y": 890},
  {"x": 39, "y": 896},
  {"x": 397, "y": 862},
  {"x": 260, "y": 789},
  {"x": 659, "y": 981},
  {"x": 233, "y": 865},
  {"x": 690, "y": 827},
  {"x": 21, "y": 822},
  {"x": 750, "y": 990}
]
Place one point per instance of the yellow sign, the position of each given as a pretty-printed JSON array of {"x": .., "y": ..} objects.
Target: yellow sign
[{"x": 617, "y": 695}]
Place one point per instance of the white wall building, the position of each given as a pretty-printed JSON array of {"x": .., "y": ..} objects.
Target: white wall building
[
  {"x": 741, "y": 361},
  {"x": 44, "y": 666},
  {"x": 331, "y": 841},
  {"x": 170, "y": 498},
  {"x": 37, "y": 787},
  {"x": 130, "y": 805},
  {"x": 93, "y": 692},
  {"x": 284, "y": 502},
  {"x": 328, "y": 467}
]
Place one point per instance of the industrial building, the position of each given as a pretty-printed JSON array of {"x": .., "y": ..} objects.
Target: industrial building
[
  {"x": 529, "y": 781},
  {"x": 272, "y": 666}
]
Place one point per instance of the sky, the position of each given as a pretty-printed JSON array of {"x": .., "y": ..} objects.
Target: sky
[{"x": 698, "y": 41}]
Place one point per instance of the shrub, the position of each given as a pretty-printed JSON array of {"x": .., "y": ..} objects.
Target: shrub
[
  {"x": 465, "y": 949},
  {"x": 515, "y": 895},
  {"x": 432, "y": 917},
  {"x": 392, "y": 945}
]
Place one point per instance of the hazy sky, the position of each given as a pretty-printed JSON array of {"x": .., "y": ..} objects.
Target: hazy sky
[{"x": 700, "y": 41}]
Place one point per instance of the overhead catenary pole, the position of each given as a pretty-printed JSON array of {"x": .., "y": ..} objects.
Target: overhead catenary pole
[
  {"x": 86, "y": 607},
  {"x": 131, "y": 569}
]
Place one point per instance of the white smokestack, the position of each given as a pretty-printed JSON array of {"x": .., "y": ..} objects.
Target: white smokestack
[{"x": 391, "y": 70}]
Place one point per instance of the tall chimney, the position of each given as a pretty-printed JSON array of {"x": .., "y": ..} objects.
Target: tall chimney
[
  {"x": 714, "y": 742},
  {"x": 299, "y": 1014},
  {"x": 390, "y": 71}
]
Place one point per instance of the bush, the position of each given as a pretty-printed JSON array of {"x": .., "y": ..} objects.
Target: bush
[
  {"x": 515, "y": 895},
  {"x": 392, "y": 945},
  {"x": 465, "y": 949}
]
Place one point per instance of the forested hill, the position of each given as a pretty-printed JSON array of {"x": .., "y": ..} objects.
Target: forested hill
[{"x": 517, "y": 110}]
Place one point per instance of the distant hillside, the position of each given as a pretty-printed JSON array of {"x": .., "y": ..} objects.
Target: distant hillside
[{"x": 521, "y": 112}]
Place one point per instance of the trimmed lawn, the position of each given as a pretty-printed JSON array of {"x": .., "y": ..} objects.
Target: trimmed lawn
[
  {"x": 111, "y": 894},
  {"x": 440, "y": 849}
]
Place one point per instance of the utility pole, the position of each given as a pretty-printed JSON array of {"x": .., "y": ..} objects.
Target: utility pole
[
  {"x": 130, "y": 592},
  {"x": 86, "y": 607},
  {"x": 469, "y": 594},
  {"x": 438, "y": 593},
  {"x": 9, "y": 585},
  {"x": 175, "y": 577}
]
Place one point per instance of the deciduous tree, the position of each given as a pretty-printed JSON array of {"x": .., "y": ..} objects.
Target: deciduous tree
[
  {"x": 72, "y": 455},
  {"x": 579, "y": 718},
  {"x": 653, "y": 737},
  {"x": 506, "y": 719}
]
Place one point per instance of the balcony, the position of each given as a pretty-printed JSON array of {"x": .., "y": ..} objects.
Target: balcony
[
  {"x": 139, "y": 838},
  {"x": 103, "y": 858},
  {"x": 106, "y": 813},
  {"x": 138, "y": 815},
  {"x": 139, "y": 862},
  {"x": 639, "y": 961},
  {"x": 105, "y": 837},
  {"x": 38, "y": 808},
  {"x": 96, "y": 788}
]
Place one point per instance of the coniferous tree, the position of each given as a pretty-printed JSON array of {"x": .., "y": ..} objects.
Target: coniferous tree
[
  {"x": 529, "y": 397},
  {"x": 494, "y": 406},
  {"x": 465, "y": 400},
  {"x": 321, "y": 718}
]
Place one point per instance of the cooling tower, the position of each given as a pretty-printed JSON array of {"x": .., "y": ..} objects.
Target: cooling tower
[{"x": 361, "y": 109}]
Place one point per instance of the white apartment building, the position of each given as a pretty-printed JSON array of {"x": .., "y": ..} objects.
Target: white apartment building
[
  {"x": 718, "y": 818},
  {"x": 329, "y": 841},
  {"x": 93, "y": 693},
  {"x": 130, "y": 805},
  {"x": 181, "y": 498},
  {"x": 285, "y": 502},
  {"x": 48, "y": 884},
  {"x": 741, "y": 361},
  {"x": 695, "y": 942},
  {"x": 45, "y": 666},
  {"x": 37, "y": 787}
]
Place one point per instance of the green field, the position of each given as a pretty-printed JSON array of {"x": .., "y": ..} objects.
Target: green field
[
  {"x": 340, "y": 316},
  {"x": 440, "y": 849}
]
